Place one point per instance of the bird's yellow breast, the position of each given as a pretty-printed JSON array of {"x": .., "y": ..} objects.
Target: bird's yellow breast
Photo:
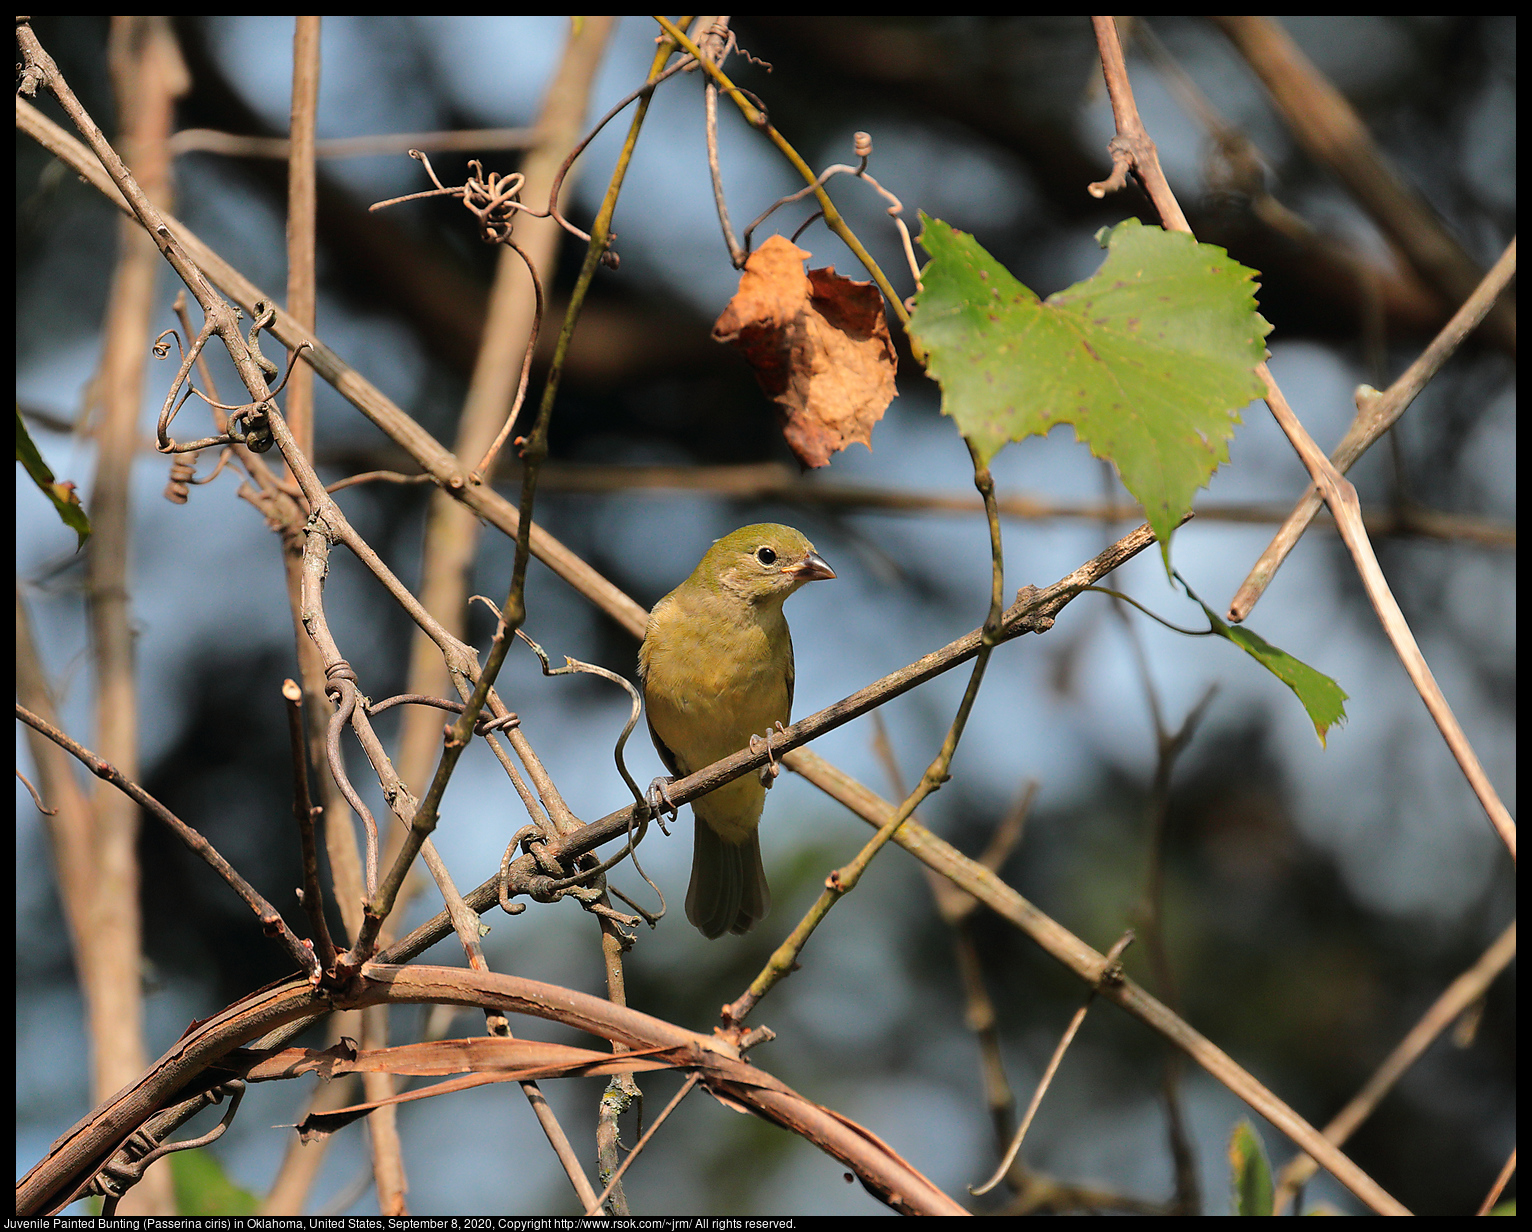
[
  {"x": 711, "y": 681},
  {"x": 708, "y": 690}
]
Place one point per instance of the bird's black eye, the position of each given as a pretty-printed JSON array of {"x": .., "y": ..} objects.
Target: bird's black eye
[{"x": 766, "y": 556}]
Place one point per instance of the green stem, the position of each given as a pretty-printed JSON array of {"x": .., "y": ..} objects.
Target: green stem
[
  {"x": 842, "y": 881},
  {"x": 757, "y": 119}
]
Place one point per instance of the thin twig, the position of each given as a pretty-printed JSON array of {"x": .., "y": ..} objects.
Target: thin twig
[
  {"x": 1453, "y": 1001},
  {"x": 312, "y": 895},
  {"x": 1501, "y": 1181},
  {"x": 1111, "y": 974},
  {"x": 486, "y": 464},
  {"x": 1375, "y": 414},
  {"x": 715, "y": 42},
  {"x": 1341, "y": 496},
  {"x": 862, "y": 143},
  {"x": 351, "y": 481},
  {"x": 270, "y": 918}
]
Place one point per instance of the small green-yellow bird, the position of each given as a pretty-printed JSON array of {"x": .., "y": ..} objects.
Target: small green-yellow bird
[{"x": 717, "y": 671}]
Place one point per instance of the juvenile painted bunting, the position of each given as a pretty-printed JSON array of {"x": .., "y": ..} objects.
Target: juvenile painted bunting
[{"x": 717, "y": 672}]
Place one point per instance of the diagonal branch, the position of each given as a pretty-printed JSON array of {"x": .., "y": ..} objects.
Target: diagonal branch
[
  {"x": 1456, "y": 997},
  {"x": 1375, "y": 414},
  {"x": 271, "y": 919},
  {"x": 1034, "y": 611}
]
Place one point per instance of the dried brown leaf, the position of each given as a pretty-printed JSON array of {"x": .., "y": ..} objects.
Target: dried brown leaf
[{"x": 819, "y": 345}]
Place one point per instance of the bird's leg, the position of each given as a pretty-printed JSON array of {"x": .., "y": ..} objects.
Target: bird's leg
[
  {"x": 658, "y": 799},
  {"x": 771, "y": 769}
]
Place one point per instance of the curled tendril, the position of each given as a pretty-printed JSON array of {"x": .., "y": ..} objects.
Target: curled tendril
[
  {"x": 249, "y": 422},
  {"x": 862, "y": 144}
]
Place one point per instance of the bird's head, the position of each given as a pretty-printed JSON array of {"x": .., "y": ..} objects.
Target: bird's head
[{"x": 762, "y": 563}]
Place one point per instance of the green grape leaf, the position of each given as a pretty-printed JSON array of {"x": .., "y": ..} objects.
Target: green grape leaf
[
  {"x": 1322, "y": 698},
  {"x": 1250, "y": 1173},
  {"x": 1150, "y": 359}
]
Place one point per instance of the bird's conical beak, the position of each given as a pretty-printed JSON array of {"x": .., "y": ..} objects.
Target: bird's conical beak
[{"x": 812, "y": 568}]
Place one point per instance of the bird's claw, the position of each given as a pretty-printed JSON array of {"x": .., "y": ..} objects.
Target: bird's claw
[
  {"x": 771, "y": 769},
  {"x": 659, "y": 801}
]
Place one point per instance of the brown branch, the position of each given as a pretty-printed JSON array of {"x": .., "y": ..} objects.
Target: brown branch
[
  {"x": 714, "y": 42},
  {"x": 1330, "y": 130},
  {"x": 301, "y": 204},
  {"x": 1507, "y": 1171}
]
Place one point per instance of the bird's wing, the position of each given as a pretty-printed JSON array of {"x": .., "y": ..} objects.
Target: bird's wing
[
  {"x": 663, "y": 749},
  {"x": 791, "y": 676}
]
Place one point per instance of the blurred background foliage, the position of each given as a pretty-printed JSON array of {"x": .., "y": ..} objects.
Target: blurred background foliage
[{"x": 1315, "y": 902}]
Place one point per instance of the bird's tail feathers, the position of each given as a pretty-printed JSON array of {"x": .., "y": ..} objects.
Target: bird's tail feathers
[{"x": 728, "y": 891}]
